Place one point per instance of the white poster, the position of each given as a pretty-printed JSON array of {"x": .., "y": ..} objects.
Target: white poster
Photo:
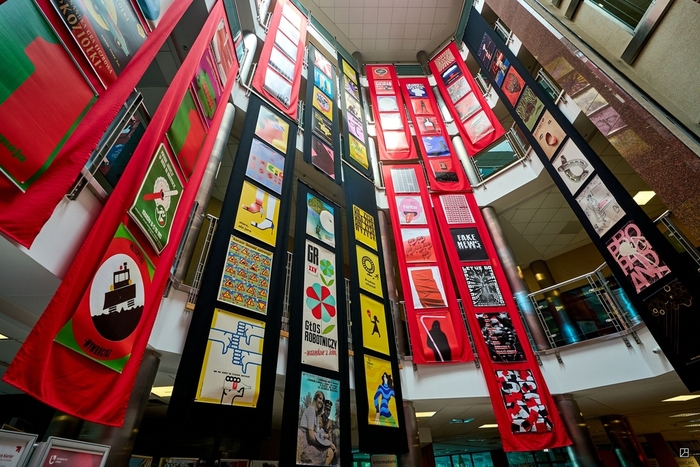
[{"x": 600, "y": 206}]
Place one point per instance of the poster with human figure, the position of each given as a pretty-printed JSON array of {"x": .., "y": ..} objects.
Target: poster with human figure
[
  {"x": 500, "y": 337},
  {"x": 438, "y": 337},
  {"x": 374, "y": 331},
  {"x": 380, "y": 392},
  {"x": 318, "y": 435},
  {"x": 232, "y": 361}
]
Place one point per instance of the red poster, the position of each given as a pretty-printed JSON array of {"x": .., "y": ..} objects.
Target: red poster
[
  {"x": 44, "y": 368},
  {"x": 70, "y": 458},
  {"x": 393, "y": 133},
  {"x": 444, "y": 169},
  {"x": 278, "y": 76},
  {"x": 527, "y": 417},
  {"x": 435, "y": 323},
  {"x": 475, "y": 120}
]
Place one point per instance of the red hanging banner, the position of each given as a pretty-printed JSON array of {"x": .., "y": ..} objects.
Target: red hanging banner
[
  {"x": 78, "y": 358},
  {"x": 434, "y": 321},
  {"x": 527, "y": 417},
  {"x": 278, "y": 76},
  {"x": 393, "y": 133},
  {"x": 444, "y": 169},
  {"x": 475, "y": 120}
]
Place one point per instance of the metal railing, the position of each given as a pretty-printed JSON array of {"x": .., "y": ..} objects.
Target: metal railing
[
  {"x": 550, "y": 86},
  {"x": 201, "y": 262}
]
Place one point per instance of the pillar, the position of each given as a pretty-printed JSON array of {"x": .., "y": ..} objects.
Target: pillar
[
  {"x": 628, "y": 450},
  {"x": 516, "y": 283},
  {"x": 469, "y": 167},
  {"x": 568, "y": 328},
  {"x": 64, "y": 426},
  {"x": 499, "y": 458},
  {"x": 428, "y": 455},
  {"x": 121, "y": 439},
  {"x": 413, "y": 457},
  {"x": 582, "y": 453},
  {"x": 422, "y": 58},
  {"x": 662, "y": 452}
]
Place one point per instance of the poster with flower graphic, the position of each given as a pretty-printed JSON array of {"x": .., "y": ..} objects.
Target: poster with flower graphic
[{"x": 320, "y": 342}]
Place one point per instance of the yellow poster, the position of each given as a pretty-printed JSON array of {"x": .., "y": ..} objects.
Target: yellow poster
[
  {"x": 257, "y": 214},
  {"x": 349, "y": 72},
  {"x": 365, "y": 231},
  {"x": 374, "y": 332},
  {"x": 380, "y": 392},
  {"x": 323, "y": 103},
  {"x": 358, "y": 152},
  {"x": 368, "y": 271}
]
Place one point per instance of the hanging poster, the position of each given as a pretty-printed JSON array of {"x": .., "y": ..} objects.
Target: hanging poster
[
  {"x": 456, "y": 209},
  {"x": 352, "y": 89},
  {"x": 318, "y": 437},
  {"x": 323, "y": 64},
  {"x": 355, "y": 126},
  {"x": 391, "y": 121},
  {"x": 322, "y": 156},
  {"x": 186, "y": 134},
  {"x": 529, "y": 108},
  {"x": 444, "y": 170},
  {"x": 353, "y": 106},
  {"x": 458, "y": 89},
  {"x": 223, "y": 50},
  {"x": 289, "y": 30},
  {"x": 422, "y": 106},
  {"x": 157, "y": 200},
  {"x": 483, "y": 287},
  {"x": 387, "y": 104},
  {"x": 358, "y": 152},
  {"x": 287, "y": 46},
  {"x": 499, "y": 68},
  {"x": 500, "y": 337},
  {"x": 279, "y": 88},
  {"x": 451, "y": 75},
  {"x": 522, "y": 400},
  {"x": 104, "y": 326},
  {"x": 478, "y": 127},
  {"x": 245, "y": 280},
  {"x": 380, "y": 392},
  {"x": 282, "y": 64},
  {"x": 323, "y": 104},
  {"x": 572, "y": 166},
  {"x": 384, "y": 86},
  {"x": 549, "y": 134},
  {"x": 349, "y": 71},
  {"x": 435, "y": 146},
  {"x": 207, "y": 88},
  {"x": 599, "y": 205},
  {"x": 411, "y": 210},
  {"x": 320, "y": 220},
  {"x": 232, "y": 362},
  {"x": 374, "y": 331},
  {"x": 428, "y": 124},
  {"x": 368, "y": 271},
  {"x": 405, "y": 181},
  {"x": 395, "y": 141},
  {"x": 486, "y": 50},
  {"x": 427, "y": 289},
  {"x": 418, "y": 246},
  {"x": 323, "y": 83},
  {"x": 321, "y": 126},
  {"x": 272, "y": 129},
  {"x": 257, "y": 214},
  {"x": 469, "y": 245},
  {"x": 154, "y": 10},
  {"x": 437, "y": 336},
  {"x": 320, "y": 343},
  {"x": 512, "y": 86},
  {"x": 265, "y": 166},
  {"x": 363, "y": 225}
]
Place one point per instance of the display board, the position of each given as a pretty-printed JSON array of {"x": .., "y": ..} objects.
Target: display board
[{"x": 355, "y": 151}]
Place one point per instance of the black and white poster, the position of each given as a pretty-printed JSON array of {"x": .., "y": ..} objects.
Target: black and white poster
[
  {"x": 500, "y": 337},
  {"x": 469, "y": 244},
  {"x": 483, "y": 286}
]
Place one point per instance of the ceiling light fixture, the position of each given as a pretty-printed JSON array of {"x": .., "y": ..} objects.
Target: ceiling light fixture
[
  {"x": 3, "y": 337},
  {"x": 425, "y": 414},
  {"x": 681, "y": 398},
  {"x": 162, "y": 391},
  {"x": 489, "y": 425},
  {"x": 643, "y": 197},
  {"x": 462, "y": 420},
  {"x": 692, "y": 425},
  {"x": 681, "y": 415}
]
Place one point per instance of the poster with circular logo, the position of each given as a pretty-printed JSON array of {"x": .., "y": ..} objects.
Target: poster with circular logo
[
  {"x": 323, "y": 104},
  {"x": 106, "y": 322}
]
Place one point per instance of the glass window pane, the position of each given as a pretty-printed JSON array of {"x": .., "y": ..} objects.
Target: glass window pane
[{"x": 629, "y": 12}]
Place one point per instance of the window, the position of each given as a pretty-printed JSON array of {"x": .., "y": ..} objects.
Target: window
[{"x": 629, "y": 12}]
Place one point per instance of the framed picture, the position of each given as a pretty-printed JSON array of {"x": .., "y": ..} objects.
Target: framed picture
[
  {"x": 15, "y": 447},
  {"x": 70, "y": 452}
]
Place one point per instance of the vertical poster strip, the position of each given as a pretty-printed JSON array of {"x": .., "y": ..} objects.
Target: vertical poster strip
[
  {"x": 437, "y": 331},
  {"x": 477, "y": 124},
  {"x": 380, "y": 415},
  {"x": 355, "y": 151},
  {"x": 228, "y": 366},
  {"x": 393, "y": 133},
  {"x": 322, "y": 135},
  {"x": 278, "y": 76},
  {"x": 527, "y": 417},
  {"x": 656, "y": 278},
  {"x": 316, "y": 412},
  {"x": 444, "y": 169}
]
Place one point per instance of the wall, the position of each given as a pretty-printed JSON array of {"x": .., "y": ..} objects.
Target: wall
[{"x": 568, "y": 265}]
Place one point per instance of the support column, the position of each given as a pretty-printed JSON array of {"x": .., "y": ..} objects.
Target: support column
[
  {"x": 499, "y": 458},
  {"x": 122, "y": 439},
  {"x": 582, "y": 452},
  {"x": 422, "y": 58},
  {"x": 662, "y": 452},
  {"x": 413, "y": 457},
  {"x": 628, "y": 450},
  {"x": 469, "y": 168},
  {"x": 516, "y": 283},
  {"x": 399, "y": 328},
  {"x": 567, "y": 327}
]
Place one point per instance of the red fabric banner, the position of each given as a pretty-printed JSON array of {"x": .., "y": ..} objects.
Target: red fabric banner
[
  {"x": 435, "y": 323},
  {"x": 62, "y": 377},
  {"x": 393, "y": 133},
  {"x": 475, "y": 120},
  {"x": 42, "y": 197},
  {"x": 444, "y": 169},
  {"x": 278, "y": 76},
  {"x": 527, "y": 417}
]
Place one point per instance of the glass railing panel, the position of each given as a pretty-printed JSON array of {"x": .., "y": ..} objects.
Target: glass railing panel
[{"x": 495, "y": 159}]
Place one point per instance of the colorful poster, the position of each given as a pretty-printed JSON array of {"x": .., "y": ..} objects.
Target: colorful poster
[
  {"x": 380, "y": 392},
  {"x": 422, "y": 106},
  {"x": 320, "y": 220},
  {"x": 207, "y": 88},
  {"x": 384, "y": 86},
  {"x": 456, "y": 209},
  {"x": 467, "y": 106},
  {"x": 437, "y": 336},
  {"x": 245, "y": 280},
  {"x": 469, "y": 245},
  {"x": 352, "y": 89},
  {"x": 322, "y": 156},
  {"x": 257, "y": 214},
  {"x": 321, "y": 126},
  {"x": 435, "y": 146},
  {"x": 358, "y": 152},
  {"x": 323, "y": 64},
  {"x": 483, "y": 287},
  {"x": 154, "y": 10},
  {"x": 265, "y": 166},
  {"x": 323, "y": 104},
  {"x": 428, "y": 124},
  {"x": 323, "y": 83},
  {"x": 411, "y": 210},
  {"x": 499, "y": 68},
  {"x": 320, "y": 343},
  {"x": 363, "y": 225},
  {"x": 223, "y": 50},
  {"x": 368, "y": 271},
  {"x": 529, "y": 108},
  {"x": 549, "y": 134},
  {"x": 232, "y": 361},
  {"x": 349, "y": 71},
  {"x": 157, "y": 200},
  {"x": 374, "y": 331},
  {"x": 355, "y": 126},
  {"x": 104, "y": 326},
  {"x": 599, "y": 205},
  {"x": 500, "y": 337},
  {"x": 522, "y": 400},
  {"x": 486, "y": 50},
  {"x": 451, "y": 74},
  {"x": 416, "y": 90},
  {"x": 512, "y": 86},
  {"x": 318, "y": 437},
  {"x": 636, "y": 257},
  {"x": 39, "y": 82},
  {"x": 427, "y": 289},
  {"x": 458, "y": 89},
  {"x": 443, "y": 170},
  {"x": 353, "y": 106},
  {"x": 186, "y": 134},
  {"x": 572, "y": 166},
  {"x": 272, "y": 129},
  {"x": 418, "y": 246}
]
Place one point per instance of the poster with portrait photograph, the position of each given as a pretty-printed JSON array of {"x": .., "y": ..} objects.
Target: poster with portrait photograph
[
  {"x": 467, "y": 106},
  {"x": 499, "y": 67},
  {"x": 422, "y": 107},
  {"x": 280, "y": 63},
  {"x": 428, "y": 125},
  {"x": 206, "y": 86},
  {"x": 223, "y": 51},
  {"x": 391, "y": 121},
  {"x": 411, "y": 210},
  {"x": 529, "y": 108},
  {"x": 381, "y": 396},
  {"x": 500, "y": 337},
  {"x": 456, "y": 209},
  {"x": 286, "y": 45},
  {"x": 435, "y": 146},
  {"x": 458, "y": 89},
  {"x": 512, "y": 86},
  {"x": 322, "y": 103},
  {"x": 374, "y": 330},
  {"x": 321, "y": 126},
  {"x": 599, "y": 205},
  {"x": 323, "y": 83},
  {"x": 280, "y": 88},
  {"x": 427, "y": 288},
  {"x": 418, "y": 246},
  {"x": 437, "y": 336},
  {"x": 272, "y": 129},
  {"x": 387, "y": 104},
  {"x": 478, "y": 127},
  {"x": 320, "y": 220},
  {"x": 318, "y": 436},
  {"x": 549, "y": 134},
  {"x": 245, "y": 280},
  {"x": 572, "y": 166},
  {"x": 355, "y": 126},
  {"x": 257, "y": 214},
  {"x": 265, "y": 166},
  {"x": 370, "y": 276},
  {"x": 486, "y": 50},
  {"x": 483, "y": 287},
  {"x": 358, "y": 152},
  {"x": 322, "y": 156},
  {"x": 522, "y": 401},
  {"x": 443, "y": 169},
  {"x": 468, "y": 244}
]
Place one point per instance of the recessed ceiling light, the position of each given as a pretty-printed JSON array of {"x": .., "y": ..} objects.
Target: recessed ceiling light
[
  {"x": 681, "y": 415},
  {"x": 462, "y": 420},
  {"x": 3, "y": 336},
  {"x": 692, "y": 424},
  {"x": 162, "y": 391},
  {"x": 425, "y": 414},
  {"x": 643, "y": 197},
  {"x": 489, "y": 425},
  {"x": 681, "y": 398}
]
